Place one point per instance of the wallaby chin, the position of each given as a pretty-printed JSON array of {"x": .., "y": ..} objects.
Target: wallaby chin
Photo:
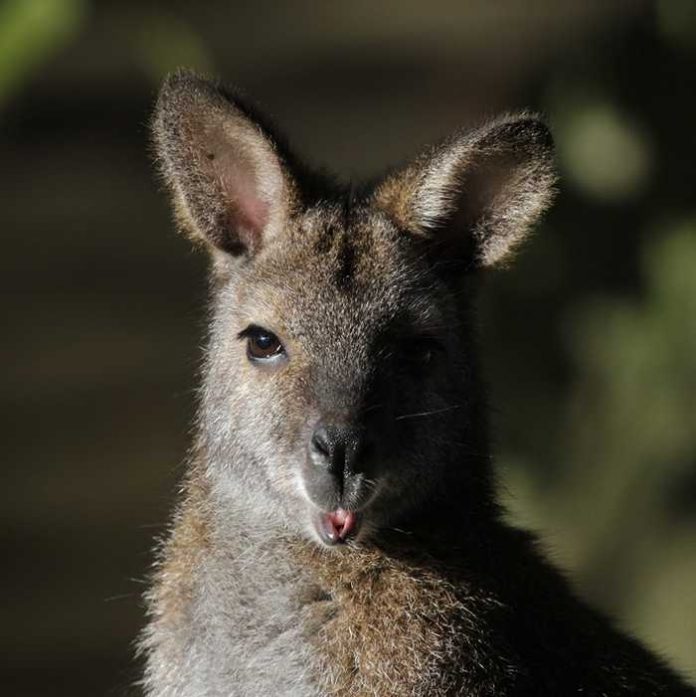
[{"x": 338, "y": 532}]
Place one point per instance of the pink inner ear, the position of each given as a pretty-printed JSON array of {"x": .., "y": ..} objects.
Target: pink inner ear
[
  {"x": 248, "y": 212},
  {"x": 232, "y": 164}
]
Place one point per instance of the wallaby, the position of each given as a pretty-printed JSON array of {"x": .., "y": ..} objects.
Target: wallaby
[{"x": 338, "y": 531}]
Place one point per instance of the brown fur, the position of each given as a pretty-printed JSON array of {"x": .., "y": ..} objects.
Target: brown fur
[
  {"x": 389, "y": 626},
  {"x": 172, "y": 595}
]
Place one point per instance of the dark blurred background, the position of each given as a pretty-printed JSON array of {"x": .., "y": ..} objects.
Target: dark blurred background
[{"x": 590, "y": 341}]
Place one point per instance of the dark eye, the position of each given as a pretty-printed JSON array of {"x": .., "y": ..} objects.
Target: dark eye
[
  {"x": 422, "y": 350},
  {"x": 262, "y": 345}
]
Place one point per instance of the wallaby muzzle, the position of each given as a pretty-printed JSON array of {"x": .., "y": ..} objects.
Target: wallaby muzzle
[{"x": 337, "y": 477}]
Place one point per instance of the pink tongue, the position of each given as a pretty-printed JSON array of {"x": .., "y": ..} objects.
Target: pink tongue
[{"x": 340, "y": 523}]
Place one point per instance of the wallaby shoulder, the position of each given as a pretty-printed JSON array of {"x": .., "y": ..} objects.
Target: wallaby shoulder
[{"x": 481, "y": 618}]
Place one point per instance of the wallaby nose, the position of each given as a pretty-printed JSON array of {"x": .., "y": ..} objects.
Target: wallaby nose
[{"x": 338, "y": 447}]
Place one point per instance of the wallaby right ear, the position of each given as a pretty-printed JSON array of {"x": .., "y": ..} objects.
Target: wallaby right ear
[
  {"x": 477, "y": 194},
  {"x": 230, "y": 184}
]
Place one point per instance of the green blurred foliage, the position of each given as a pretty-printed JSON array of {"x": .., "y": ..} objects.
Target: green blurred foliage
[
  {"x": 677, "y": 21},
  {"x": 604, "y": 153},
  {"x": 628, "y": 443},
  {"x": 165, "y": 42},
  {"x": 31, "y": 31}
]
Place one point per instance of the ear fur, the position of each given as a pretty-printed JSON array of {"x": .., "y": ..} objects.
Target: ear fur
[
  {"x": 479, "y": 192},
  {"x": 230, "y": 183}
]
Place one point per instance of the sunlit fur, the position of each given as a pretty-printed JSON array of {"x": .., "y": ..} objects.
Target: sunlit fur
[{"x": 434, "y": 595}]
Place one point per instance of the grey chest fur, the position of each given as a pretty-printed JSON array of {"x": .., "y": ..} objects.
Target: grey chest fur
[
  {"x": 288, "y": 618},
  {"x": 250, "y": 624},
  {"x": 293, "y": 619}
]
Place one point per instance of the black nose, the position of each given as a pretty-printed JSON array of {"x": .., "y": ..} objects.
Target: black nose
[{"x": 339, "y": 448}]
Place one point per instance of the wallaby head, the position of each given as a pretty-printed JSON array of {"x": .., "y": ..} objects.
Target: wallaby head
[{"x": 340, "y": 390}]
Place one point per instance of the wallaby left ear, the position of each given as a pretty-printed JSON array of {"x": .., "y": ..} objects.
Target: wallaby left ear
[
  {"x": 230, "y": 179},
  {"x": 478, "y": 193}
]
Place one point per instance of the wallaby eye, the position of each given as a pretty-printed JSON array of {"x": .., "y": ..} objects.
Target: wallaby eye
[
  {"x": 262, "y": 345},
  {"x": 423, "y": 350}
]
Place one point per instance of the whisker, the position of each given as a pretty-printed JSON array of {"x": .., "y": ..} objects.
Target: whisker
[
  {"x": 370, "y": 484},
  {"x": 372, "y": 407},
  {"x": 403, "y": 532},
  {"x": 420, "y": 414}
]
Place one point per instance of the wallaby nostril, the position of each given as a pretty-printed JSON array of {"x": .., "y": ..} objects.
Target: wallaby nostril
[{"x": 320, "y": 442}]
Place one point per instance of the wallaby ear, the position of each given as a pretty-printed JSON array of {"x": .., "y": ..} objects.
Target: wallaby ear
[
  {"x": 478, "y": 193},
  {"x": 230, "y": 183}
]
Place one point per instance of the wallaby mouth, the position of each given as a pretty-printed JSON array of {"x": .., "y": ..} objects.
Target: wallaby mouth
[{"x": 337, "y": 526}]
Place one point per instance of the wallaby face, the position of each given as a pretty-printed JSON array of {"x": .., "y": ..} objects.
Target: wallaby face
[
  {"x": 328, "y": 346},
  {"x": 340, "y": 318}
]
